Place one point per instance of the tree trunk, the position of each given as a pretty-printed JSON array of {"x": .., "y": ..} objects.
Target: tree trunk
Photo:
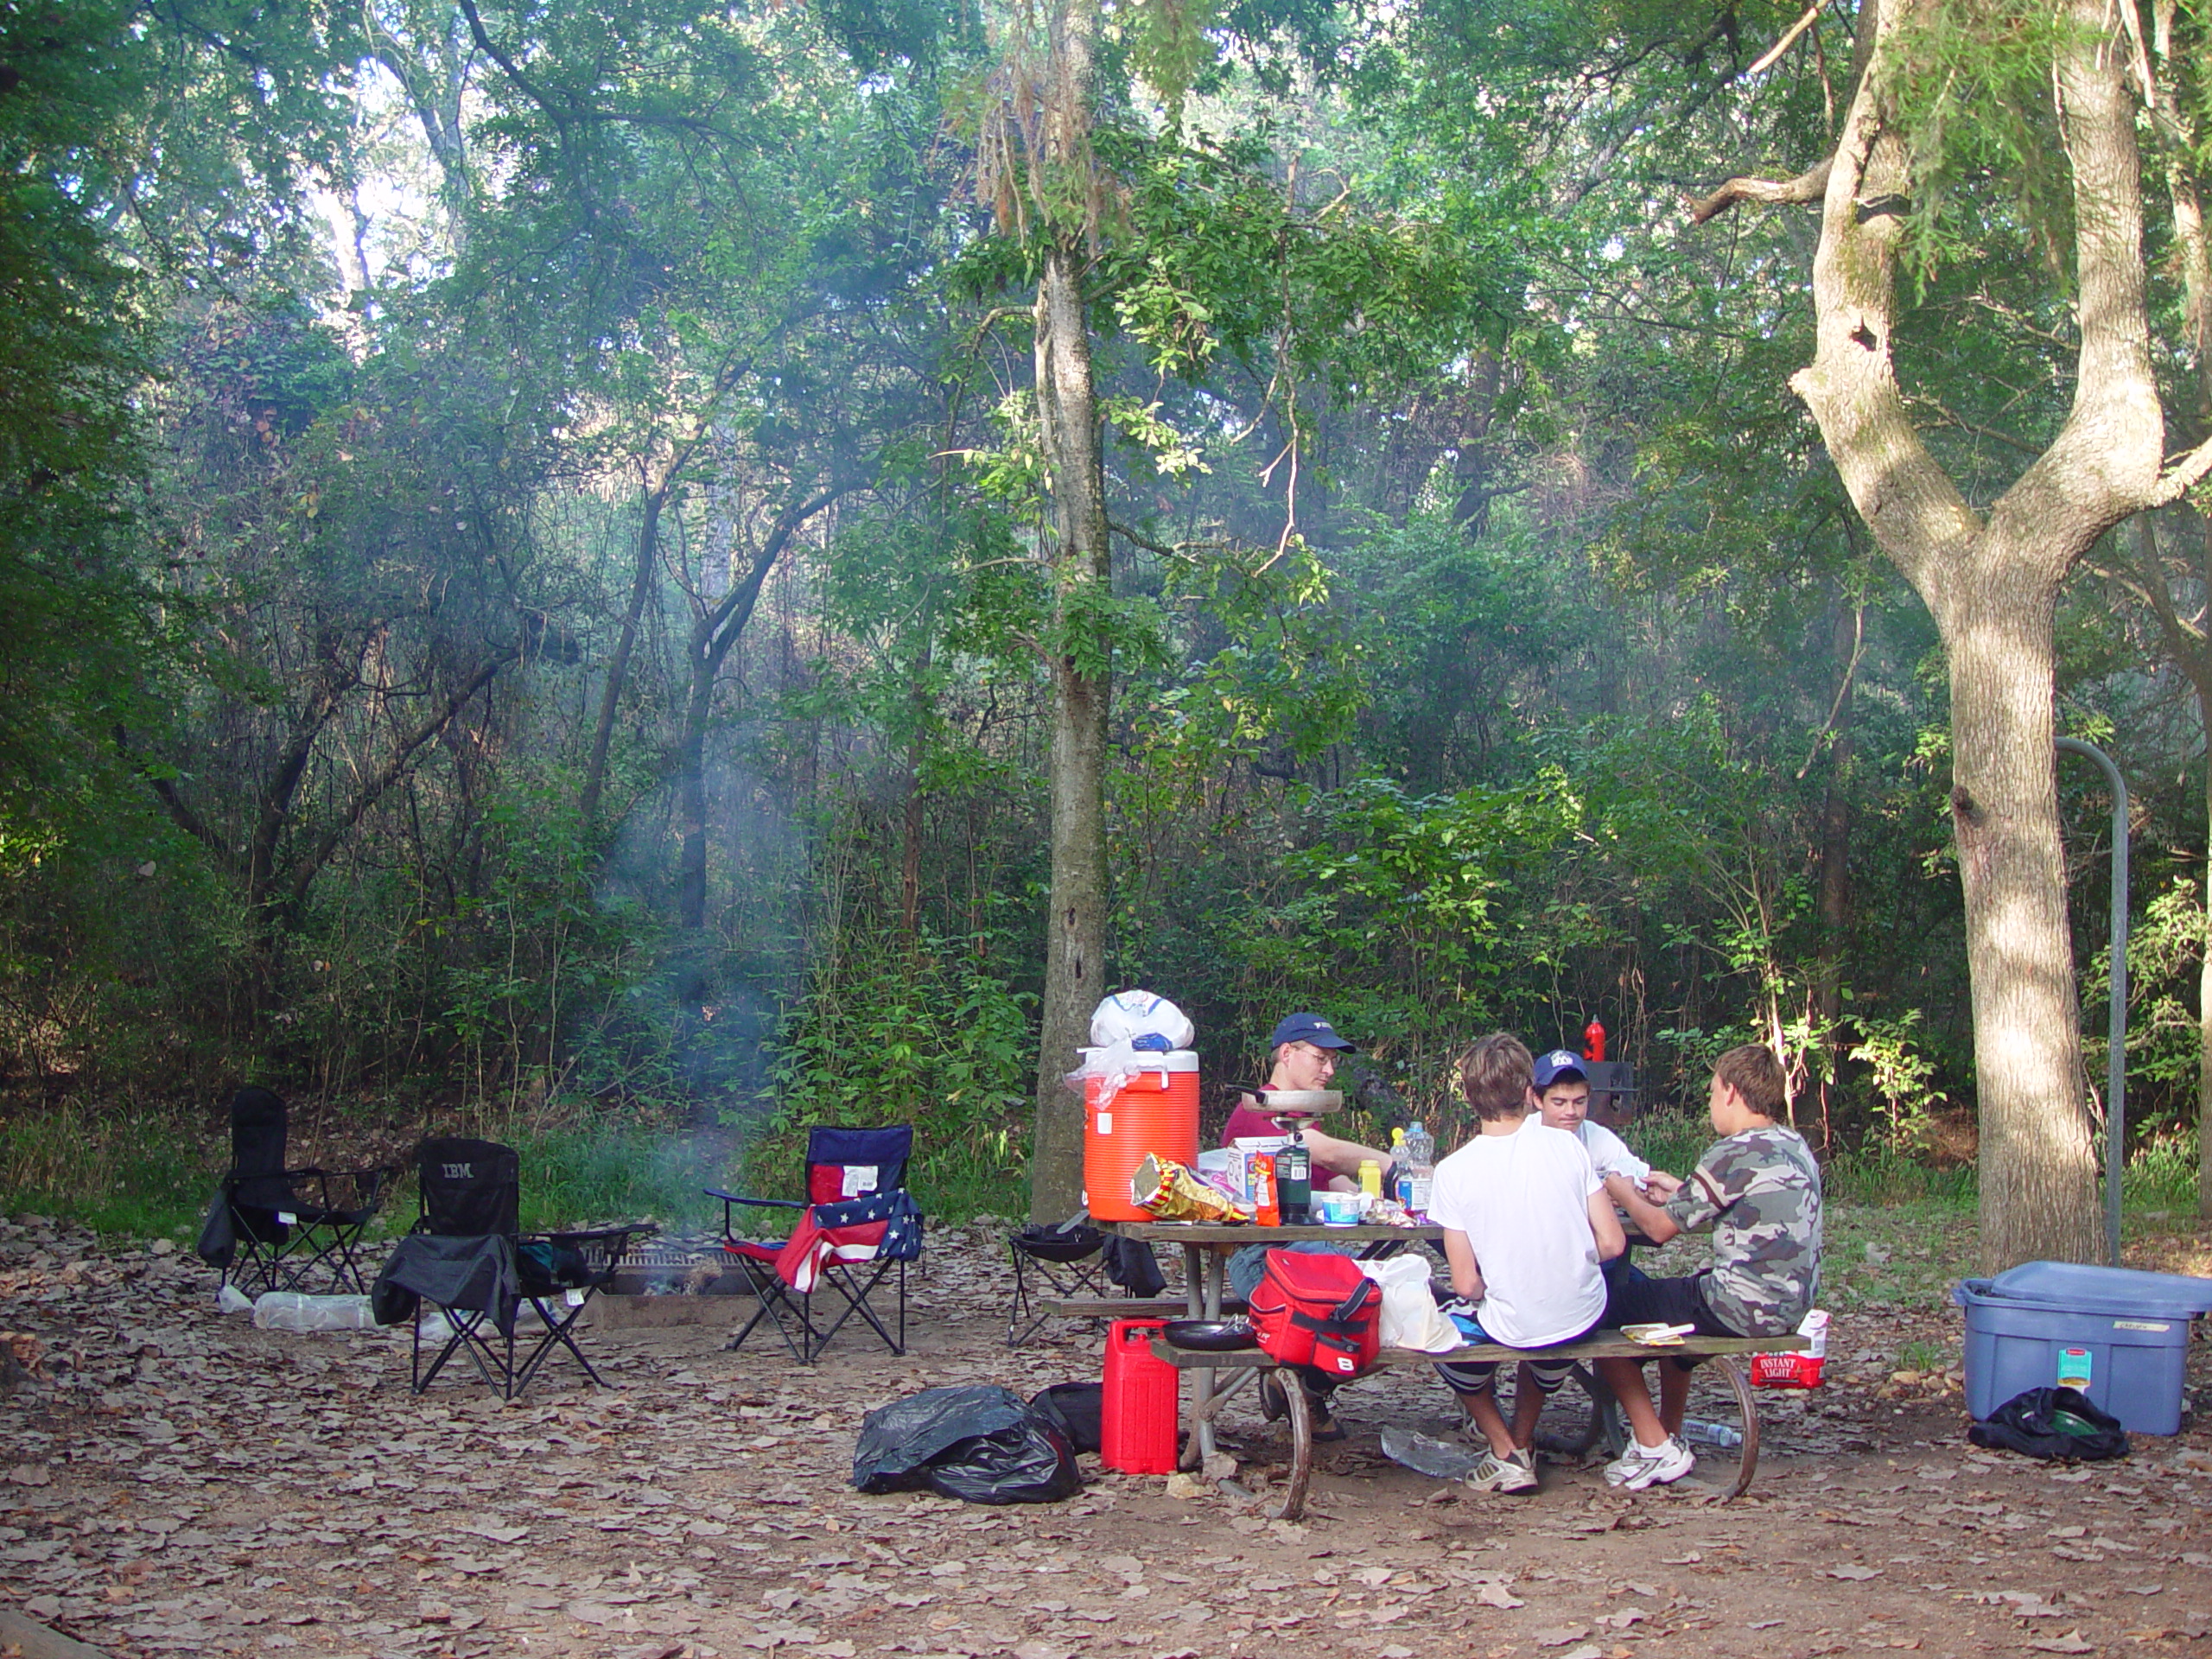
[
  {"x": 1075, "y": 930},
  {"x": 617, "y": 670},
  {"x": 1991, "y": 589},
  {"x": 1067, "y": 412},
  {"x": 2204, "y": 992},
  {"x": 2038, "y": 1159}
]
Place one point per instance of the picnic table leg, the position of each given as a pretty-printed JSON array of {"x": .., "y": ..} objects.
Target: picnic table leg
[
  {"x": 1747, "y": 1402},
  {"x": 1202, "y": 1296},
  {"x": 1301, "y": 1450}
]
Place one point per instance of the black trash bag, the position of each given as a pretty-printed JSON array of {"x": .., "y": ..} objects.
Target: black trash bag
[
  {"x": 980, "y": 1444},
  {"x": 1032, "y": 1465},
  {"x": 2056, "y": 1424},
  {"x": 1078, "y": 1409}
]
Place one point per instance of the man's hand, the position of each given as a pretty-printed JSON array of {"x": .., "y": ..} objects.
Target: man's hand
[
  {"x": 1661, "y": 1184},
  {"x": 1646, "y": 1216}
]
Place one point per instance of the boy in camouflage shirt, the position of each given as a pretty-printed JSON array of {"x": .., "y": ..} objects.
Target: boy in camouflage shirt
[{"x": 1758, "y": 1189}]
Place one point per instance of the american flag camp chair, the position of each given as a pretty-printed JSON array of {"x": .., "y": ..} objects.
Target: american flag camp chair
[{"x": 858, "y": 1228}]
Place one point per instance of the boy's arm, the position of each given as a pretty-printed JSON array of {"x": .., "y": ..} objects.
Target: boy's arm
[
  {"x": 1606, "y": 1226},
  {"x": 1466, "y": 1275},
  {"x": 1653, "y": 1223}
]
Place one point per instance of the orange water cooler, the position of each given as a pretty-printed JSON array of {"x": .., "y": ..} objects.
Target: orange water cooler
[{"x": 1156, "y": 1111}]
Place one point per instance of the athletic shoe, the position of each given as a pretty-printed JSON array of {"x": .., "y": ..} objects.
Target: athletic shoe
[
  {"x": 1650, "y": 1465},
  {"x": 1515, "y": 1472}
]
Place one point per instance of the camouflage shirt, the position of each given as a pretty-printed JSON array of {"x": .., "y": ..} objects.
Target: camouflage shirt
[{"x": 1760, "y": 1192}]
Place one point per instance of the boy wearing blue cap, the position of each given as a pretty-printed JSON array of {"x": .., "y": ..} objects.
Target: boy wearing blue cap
[{"x": 1563, "y": 1096}]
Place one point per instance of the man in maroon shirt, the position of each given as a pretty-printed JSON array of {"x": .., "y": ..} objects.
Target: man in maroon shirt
[{"x": 1305, "y": 1047}]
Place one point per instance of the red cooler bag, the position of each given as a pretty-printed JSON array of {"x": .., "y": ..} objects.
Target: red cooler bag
[{"x": 1320, "y": 1310}]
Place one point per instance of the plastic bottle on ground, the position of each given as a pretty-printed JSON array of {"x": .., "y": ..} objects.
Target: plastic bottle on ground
[
  {"x": 291, "y": 1310},
  {"x": 1436, "y": 1458},
  {"x": 1701, "y": 1433}
]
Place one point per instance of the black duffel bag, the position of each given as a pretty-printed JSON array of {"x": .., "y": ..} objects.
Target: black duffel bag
[{"x": 2059, "y": 1424}]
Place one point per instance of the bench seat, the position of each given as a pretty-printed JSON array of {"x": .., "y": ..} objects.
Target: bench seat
[{"x": 1723, "y": 1351}]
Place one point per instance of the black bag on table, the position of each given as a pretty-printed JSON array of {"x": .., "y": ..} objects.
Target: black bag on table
[
  {"x": 2056, "y": 1424},
  {"x": 981, "y": 1444}
]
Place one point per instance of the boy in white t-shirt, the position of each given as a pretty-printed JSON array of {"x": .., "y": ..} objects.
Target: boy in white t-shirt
[{"x": 1525, "y": 1222}]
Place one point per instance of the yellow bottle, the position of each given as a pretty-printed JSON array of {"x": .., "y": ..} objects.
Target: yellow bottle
[{"x": 1370, "y": 1178}]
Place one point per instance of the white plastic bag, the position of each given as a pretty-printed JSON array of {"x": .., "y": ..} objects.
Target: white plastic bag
[
  {"x": 230, "y": 1300},
  {"x": 1138, "y": 1013},
  {"x": 1117, "y": 1026},
  {"x": 1411, "y": 1318}
]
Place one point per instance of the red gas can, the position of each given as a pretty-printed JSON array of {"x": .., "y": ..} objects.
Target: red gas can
[{"x": 1136, "y": 1425}]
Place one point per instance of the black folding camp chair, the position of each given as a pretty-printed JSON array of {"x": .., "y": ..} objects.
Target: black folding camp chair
[
  {"x": 468, "y": 1260},
  {"x": 858, "y": 1228},
  {"x": 271, "y": 1227},
  {"x": 1062, "y": 1263}
]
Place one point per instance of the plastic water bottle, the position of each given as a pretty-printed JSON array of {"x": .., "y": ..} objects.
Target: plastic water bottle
[
  {"x": 1721, "y": 1435},
  {"x": 1421, "y": 1169},
  {"x": 291, "y": 1310}
]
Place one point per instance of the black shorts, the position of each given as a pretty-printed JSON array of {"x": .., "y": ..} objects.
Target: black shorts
[{"x": 1635, "y": 1298}]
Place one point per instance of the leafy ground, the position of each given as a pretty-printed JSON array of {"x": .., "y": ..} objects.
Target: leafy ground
[{"x": 175, "y": 1481}]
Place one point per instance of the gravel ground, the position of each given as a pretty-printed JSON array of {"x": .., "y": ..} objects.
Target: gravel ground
[{"x": 173, "y": 1480}]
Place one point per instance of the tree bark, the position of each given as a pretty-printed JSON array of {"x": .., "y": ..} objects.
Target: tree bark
[
  {"x": 652, "y": 501},
  {"x": 1991, "y": 588},
  {"x": 1075, "y": 931},
  {"x": 1067, "y": 409},
  {"x": 712, "y": 635}
]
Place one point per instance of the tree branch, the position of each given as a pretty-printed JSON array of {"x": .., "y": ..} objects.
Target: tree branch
[
  {"x": 1773, "y": 54},
  {"x": 1809, "y": 186},
  {"x": 394, "y": 768},
  {"x": 2184, "y": 475}
]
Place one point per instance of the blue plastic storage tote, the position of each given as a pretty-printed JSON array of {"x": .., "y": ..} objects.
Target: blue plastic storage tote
[{"x": 2120, "y": 1336}]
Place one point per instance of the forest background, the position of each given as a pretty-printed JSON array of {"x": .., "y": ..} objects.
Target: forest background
[{"x": 530, "y": 592}]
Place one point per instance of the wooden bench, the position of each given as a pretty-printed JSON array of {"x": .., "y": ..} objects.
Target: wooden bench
[
  {"x": 1126, "y": 1308},
  {"x": 1247, "y": 1365}
]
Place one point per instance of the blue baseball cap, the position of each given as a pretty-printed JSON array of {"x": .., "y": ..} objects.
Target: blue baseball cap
[
  {"x": 1560, "y": 1063},
  {"x": 1307, "y": 1028}
]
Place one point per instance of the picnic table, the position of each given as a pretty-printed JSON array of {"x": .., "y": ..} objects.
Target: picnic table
[{"x": 1207, "y": 1248}]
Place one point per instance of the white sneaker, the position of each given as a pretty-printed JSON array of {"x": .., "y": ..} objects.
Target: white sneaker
[
  {"x": 1515, "y": 1472},
  {"x": 1650, "y": 1465}
]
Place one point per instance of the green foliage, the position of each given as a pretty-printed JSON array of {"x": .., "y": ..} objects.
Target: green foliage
[
  {"x": 140, "y": 1172},
  {"x": 600, "y": 1169},
  {"x": 1901, "y": 1075},
  {"x": 918, "y": 1031}
]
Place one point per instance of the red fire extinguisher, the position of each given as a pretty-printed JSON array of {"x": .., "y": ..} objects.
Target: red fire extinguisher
[{"x": 1593, "y": 1042}]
